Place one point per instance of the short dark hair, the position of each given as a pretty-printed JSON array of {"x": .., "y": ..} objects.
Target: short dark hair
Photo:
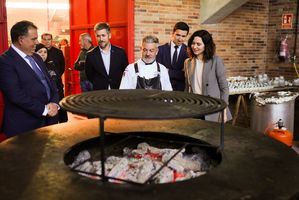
[
  {"x": 46, "y": 34},
  {"x": 101, "y": 26},
  {"x": 20, "y": 29},
  {"x": 181, "y": 26},
  {"x": 207, "y": 39}
]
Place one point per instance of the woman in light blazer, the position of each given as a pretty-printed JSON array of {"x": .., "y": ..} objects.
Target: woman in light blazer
[{"x": 205, "y": 72}]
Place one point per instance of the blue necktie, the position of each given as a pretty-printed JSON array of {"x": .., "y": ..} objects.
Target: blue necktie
[
  {"x": 175, "y": 55},
  {"x": 40, "y": 75}
]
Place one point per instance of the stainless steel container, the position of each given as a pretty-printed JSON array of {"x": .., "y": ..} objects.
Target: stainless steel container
[{"x": 267, "y": 108}]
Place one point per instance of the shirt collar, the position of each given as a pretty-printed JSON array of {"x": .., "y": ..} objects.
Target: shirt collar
[
  {"x": 105, "y": 52},
  {"x": 21, "y": 53},
  {"x": 172, "y": 45},
  {"x": 148, "y": 63}
]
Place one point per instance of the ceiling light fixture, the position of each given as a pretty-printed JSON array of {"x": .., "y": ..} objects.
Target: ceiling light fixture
[{"x": 34, "y": 5}]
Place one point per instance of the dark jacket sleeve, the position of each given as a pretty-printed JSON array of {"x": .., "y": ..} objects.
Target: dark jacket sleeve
[{"x": 80, "y": 66}]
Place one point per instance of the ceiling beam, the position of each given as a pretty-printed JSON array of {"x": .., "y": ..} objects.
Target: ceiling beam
[{"x": 213, "y": 11}]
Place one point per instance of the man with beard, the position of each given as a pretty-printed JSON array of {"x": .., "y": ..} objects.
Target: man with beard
[
  {"x": 106, "y": 63},
  {"x": 146, "y": 73}
]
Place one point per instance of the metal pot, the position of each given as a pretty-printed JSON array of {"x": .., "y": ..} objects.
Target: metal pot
[{"x": 265, "y": 115}]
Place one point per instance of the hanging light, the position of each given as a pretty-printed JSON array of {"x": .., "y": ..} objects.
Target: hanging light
[{"x": 36, "y": 5}]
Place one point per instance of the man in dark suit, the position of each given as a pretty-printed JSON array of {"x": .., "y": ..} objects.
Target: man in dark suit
[
  {"x": 173, "y": 54},
  {"x": 106, "y": 63},
  {"x": 30, "y": 96},
  {"x": 55, "y": 55}
]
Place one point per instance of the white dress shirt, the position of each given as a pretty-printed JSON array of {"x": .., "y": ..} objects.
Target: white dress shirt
[
  {"x": 106, "y": 60},
  {"x": 172, "y": 49}
]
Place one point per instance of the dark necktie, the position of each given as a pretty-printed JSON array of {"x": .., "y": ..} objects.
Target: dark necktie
[
  {"x": 40, "y": 75},
  {"x": 175, "y": 55}
]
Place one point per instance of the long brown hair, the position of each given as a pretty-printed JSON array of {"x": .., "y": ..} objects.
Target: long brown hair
[{"x": 207, "y": 39}]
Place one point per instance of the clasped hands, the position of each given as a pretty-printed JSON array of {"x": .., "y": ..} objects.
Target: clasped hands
[{"x": 52, "y": 109}]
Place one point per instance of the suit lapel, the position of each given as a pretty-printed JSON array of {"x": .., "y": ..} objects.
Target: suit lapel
[
  {"x": 112, "y": 61},
  {"x": 26, "y": 68},
  {"x": 168, "y": 55},
  {"x": 21, "y": 63},
  {"x": 190, "y": 72}
]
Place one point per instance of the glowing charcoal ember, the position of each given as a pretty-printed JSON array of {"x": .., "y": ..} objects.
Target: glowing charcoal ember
[
  {"x": 118, "y": 171},
  {"x": 139, "y": 165},
  {"x": 177, "y": 175},
  {"x": 188, "y": 175},
  {"x": 165, "y": 176},
  {"x": 193, "y": 163},
  {"x": 86, "y": 167},
  {"x": 145, "y": 171},
  {"x": 174, "y": 163},
  {"x": 89, "y": 168}
]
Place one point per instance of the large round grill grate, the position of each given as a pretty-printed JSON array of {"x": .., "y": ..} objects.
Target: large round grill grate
[{"x": 142, "y": 104}]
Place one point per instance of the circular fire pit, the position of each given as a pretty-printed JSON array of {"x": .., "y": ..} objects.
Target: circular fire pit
[
  {"x": 160, "y": 158},
  {"x": 142, "y": 104},
  {"x": 253, "y": 166}
]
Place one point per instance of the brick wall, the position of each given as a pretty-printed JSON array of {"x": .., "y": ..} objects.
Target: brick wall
[
  {"x": 158, "y": 17},
  {"x": 243, "y": 39}
]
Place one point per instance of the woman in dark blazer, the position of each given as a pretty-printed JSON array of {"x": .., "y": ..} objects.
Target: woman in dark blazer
[{"x": 205, "y": 72}]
